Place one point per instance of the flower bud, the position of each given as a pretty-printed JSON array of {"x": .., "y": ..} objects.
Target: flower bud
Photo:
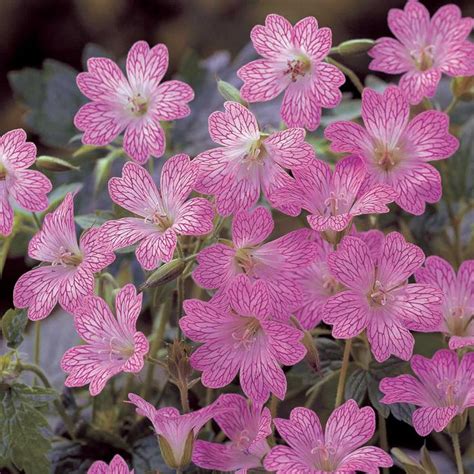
[
  {"x": 463, "y": 87},
  {"x": 458, "y": 423},
  {"x": 51, "y": 163},
  {"x": 177, "y": 459},
  {"x": 356, "y": 46},
  {"x": 312, "y": 355},
  {"x": 229, "y": 92},
  {"x": 179, "y": 368},
  {"x": 164, "y": 274}
]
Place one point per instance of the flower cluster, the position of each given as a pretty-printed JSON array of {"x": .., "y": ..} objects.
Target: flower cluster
[{"x": 251, "y": 295}]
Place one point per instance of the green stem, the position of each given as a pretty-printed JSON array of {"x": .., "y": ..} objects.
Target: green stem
[
  {"x": 274, "y": 402},
  {"x": 383, "y": 437},
  {"x": 37, "y": 348},
  {"x": 151, "y": 166},
  {"x": 183, "y": 395},
  {"x": 343, "y": 374},
  {"x": 457, "y": 452},
  {"x": 452, "y": 104},
  {"x": 349, "y": 73},
  {"x": 36, "y": 219},
  {"x": 57, "y": 403}
]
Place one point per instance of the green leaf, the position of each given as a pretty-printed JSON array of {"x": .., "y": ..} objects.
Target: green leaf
[
  {"x": 23, "y": 429},
  {"x": 13, "y": 326},
  {"x": 86, "y": 221},
  {"x": 356, "y": 386},
  {"x": 59, "y": 193},
  {"x": 229, "y": 92}
]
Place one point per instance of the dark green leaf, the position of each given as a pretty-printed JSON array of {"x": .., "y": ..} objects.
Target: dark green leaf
[
  {"x": 375, "y": 395},
  {"x": 356, "y": 386},
  {"x": 37, "y": 396},
  {"x": 58, "y": 194},
  {"x": 13, "y": 326},
  {"x": 23, "y": 429}
]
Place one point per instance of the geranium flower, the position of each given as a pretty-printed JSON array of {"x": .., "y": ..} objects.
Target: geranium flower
[
  {"x": 337, "y": 449},
  {"x": 163, "y": 214},
  {"x": 116, "y": 466},
  {"x": 242, "y": 338},
  {"x": 28, "y": 188},
  {"x": 458, "y": 298},
  {"x": 113, "y": 345},
  {"x": 176, "y": 433},
  {"x": 396, "y": 151},
  {"x": 293, "y": 61},
  {"x": 248, "y": 161},
  {"x": 378, "y": 296},
  {"x": 247, "y": 426},
  {"x": 70, "y": 273},
  {"x": 136, "y": 105},
  {"x": 334, "y": 199},
  {"x": 424, "y": 49},
  {"x": 273, "y": 262},
  {"x": 442, "y": 388}
]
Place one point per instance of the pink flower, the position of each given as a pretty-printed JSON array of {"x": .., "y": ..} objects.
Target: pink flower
[
  {"x": 26, "y": 187},
  {"x": 247, "y": 426},
  {"x": 248, "y": 161},
  {"x": 117, "y": 466},
  {"x": 176, "y": 433},
  {"x": 317, "y": 282},
  {"x": 337, "y": 449},
  {"x": 273, "y": 262},
  {"x": 378, "y": 297},
  {"x": 70, "y": 273},
  {"x": 334, "y": 199},
  {"x": 458, "y": 298},
  {"x": 293, "y": 60},
  {"x": 113, "y": 345},
  {"x": 443, "y": 389},
  {"x": 242, "y": 338},
  {"x": 136, "y": 105},
  {"x": 163, "y": 214},
  {"x": 424, "y": 49},
  {"x": 396, "y": 151}
]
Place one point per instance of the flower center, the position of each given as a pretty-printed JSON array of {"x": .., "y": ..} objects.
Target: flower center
[
  {"x": 245, "y": 260},
  {"x": 123, "y": 350},
  {"x": 449, "y": 390},
  {"x": 3, "y": 172},
  {"x": 459, "y": 320},
  {"x": 138, "y": 105},
  {"x": 379, "y": 295},
  {"x": 331, "y": 285},
  {"x": 256, "y": 153},
  {"x": 297, "y": 67},
  {"x": 335, "y": 203},
  {"x": 423, "y": 57},
  {"x": 159, "y": 219},
  {"x": 387, "y": 158},
  {"x": 325, "y": 456},
  {"x": 67, "y": 258},
  {"x": 243, "y": 441},
  {"x": 245, "y": 336}
]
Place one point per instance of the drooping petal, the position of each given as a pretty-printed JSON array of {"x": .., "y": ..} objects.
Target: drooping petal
[
  {"x": 427, "y": 419},
  {"x": 404, "y": 389}
]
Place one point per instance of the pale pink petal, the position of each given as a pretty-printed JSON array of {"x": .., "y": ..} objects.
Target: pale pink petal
[
  {"x": 135, "y": 190},
  {"x": 273, "y": 38},
  {"x": 313, "y": 41},
  {"x": 178, "y": 177},
  {"x": 96, "y": 250},
  {"x": 458, "y": 342},
  {"x": 348, "y": 313},
  {"x": 465, "y": 276},
  {"x": 418, "y": 185},
  {"x": 79, "y": 283},
  {"x": 347, "y": 178},
  {"x": 442, "y": 366},
  {"x": 410, "y": 25},
  {"x": 285, "y": 342},
  {"x": 100, "y": 123},
  {"x": 235, "y": 126},
  {"x": 403, "y": 389},
  {"x": 16, "y": 152},
  {"x": 418, "y": 84},
  {"x": 29, "y": 189},
  {"x": 389, "y": 56},
  {"x": 427, "y": 419},
  {"x": 119, "y": 466},
  {"x": 458, "y": 61},
  {"x": 136, "y": 362},
  {"x": 128, "y": 305},
  {"x": 283, "y": 460},
  {"x": 300, "y": 107},
  {"x": 215, "y": 266},
  {"x": 374, "y": 201},
  {"x": 385, "y": 115},
  {"x": 103, "y": 81},
  {"x": 222, "y": 457},
  {"x": 98, "y": 467},
  {"x": 249, "y": 299},
  {"x": 325, "y": 85},
  {"x": 156, "y": 247},
  {"x": 236, "y": 194},
  {"x": 125, "y": 232},
  {"x": 336, "y": 223},
  {"x": 428, "y": 134},
  {"x": 285, "y": 295},
  {"x": 366, "y": 459},
  {"x": 145, "y": 65},
  {"x": 6, "y": 213},
  {"x": 195, "y": 217},
  {"x": 346, "y": 137},
  {"x": 308, "y": 423},
  {"x": 214, "y": 170},
  {"x": 172, "y": 99},
  {"x": 448, "y": 26},
  {"x": 251, "y": 227},
  {"x": 143, "y": 138},
  {"x": 263, "y": 80}
]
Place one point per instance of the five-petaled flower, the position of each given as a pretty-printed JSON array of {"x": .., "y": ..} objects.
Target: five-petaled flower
[
  {"x": 443, "y": 388},
  {"x": 424, "y": 49},
  {"x": 113, "y": 344},
  {"x": 243, "y": 338},
  {"x": 458, "y": 298},
  {"x": 136, "y": 105},
  {"x": 163, "y": 214},
  {"x": 333, "y": 199},
  {"x": 116, "y": 466},
  {"x": 28, "y": 188},
  {"x": 273, "y": 262},
  {"x": 176, "y": 433},
  {"x": 396, "y": 151},
  {"x": 248, "y": 162},
  {"x": 70, "y": 273},
  {"x": 339, "y": 448},
  {"x": 293, "y": 60},
  {"x": 378, "y": 297},
  {"x": 247, "y": 426}
]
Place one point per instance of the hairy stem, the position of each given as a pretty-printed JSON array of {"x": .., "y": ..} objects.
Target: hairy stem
[
  {"x": 343, "y": 374},
  {"x": 349, "y": 73},
  {"x": 457, "y": 452},
  {"x": 383, "y": 437},
  {"x": 183, "y": 395}
]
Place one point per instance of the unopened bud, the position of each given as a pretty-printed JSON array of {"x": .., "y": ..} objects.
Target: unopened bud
[
  {"x": 463, "y": 87},
  {"x": 230, "y": 92},
  {"x": 164, "y": 274},
  {"x": 458, "y": 423},
  {"x": 177, "y": 457},
  {"x": 356, "y": 46},
  {"x": 312, "y": 354},
  {"x": 51, "y": 163},
  {"x": 179, "y": 367}
]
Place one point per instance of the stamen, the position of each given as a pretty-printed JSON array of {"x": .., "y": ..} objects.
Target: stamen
[
  {"x": 138, "y": 105},
  {"x": 297, "y": 67}
]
